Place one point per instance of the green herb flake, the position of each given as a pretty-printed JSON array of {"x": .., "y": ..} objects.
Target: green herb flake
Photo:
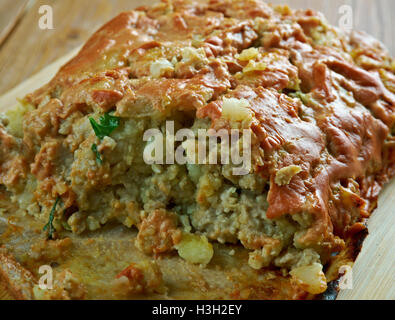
[
  {"x": 107, "y": 124},
  {"x": 49, "y": 226},
  {"x": 97, "y": 154}
]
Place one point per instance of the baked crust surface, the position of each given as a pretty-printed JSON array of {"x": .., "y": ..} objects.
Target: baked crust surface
[{"x": 319, "y": 103}]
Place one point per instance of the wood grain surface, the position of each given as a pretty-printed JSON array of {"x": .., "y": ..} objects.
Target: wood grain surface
[
  {"x": 29, "y": 49},
  {"x": 11, "y": 11}
]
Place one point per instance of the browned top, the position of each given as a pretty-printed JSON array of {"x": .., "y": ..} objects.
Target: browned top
[{"x": 339, "y": 134}]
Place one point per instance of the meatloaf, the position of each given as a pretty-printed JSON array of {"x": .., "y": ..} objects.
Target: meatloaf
[{"x": 77, "y": 194}]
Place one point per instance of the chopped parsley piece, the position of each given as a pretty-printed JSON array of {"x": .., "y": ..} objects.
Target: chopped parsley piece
[
  {"x": 97, "y": 153},
  {"x": 49, "y": 226},
  {"x": 108, "y": 123}
]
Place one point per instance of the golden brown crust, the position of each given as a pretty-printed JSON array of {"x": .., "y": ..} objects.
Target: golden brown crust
[
  {"x": 337, "y": 143},
  {"x": 18, "y": 281}
]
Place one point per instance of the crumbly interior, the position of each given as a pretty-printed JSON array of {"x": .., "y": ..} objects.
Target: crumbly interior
[
  {"x": 318, "y": 102},
  {"x": 205, "y": 199}
]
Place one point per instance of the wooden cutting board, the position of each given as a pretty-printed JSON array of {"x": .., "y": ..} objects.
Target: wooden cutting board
[
  {"x": 373, "y": 275},
  {"x": 11, "y": 12}
]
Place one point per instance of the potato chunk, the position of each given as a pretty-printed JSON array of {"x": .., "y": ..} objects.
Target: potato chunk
[
  {"x": 236, "y": 109},
  {"x": 160, "y": 68},
  {"x": 310, "y": 278},
  {"x": 248, "y": 54},
  {"x": 195, "y": 249},
  {"x": 284, "y": 175},
  {"x": 15, "y": 118}
]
